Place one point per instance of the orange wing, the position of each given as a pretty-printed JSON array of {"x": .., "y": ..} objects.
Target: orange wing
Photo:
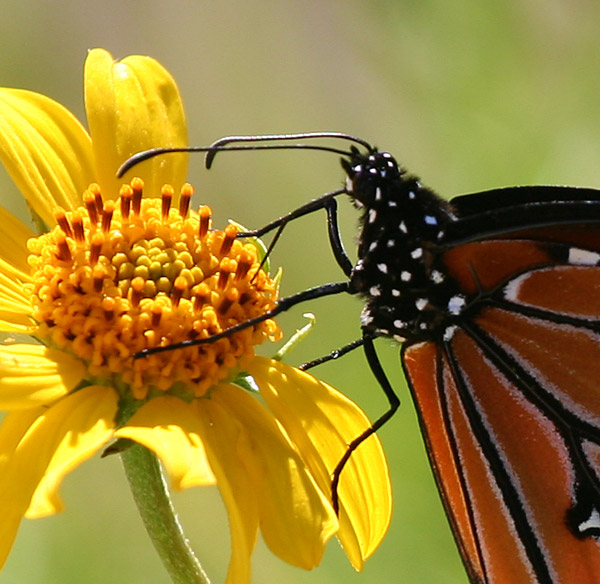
[{"x": 509, "y": 403}]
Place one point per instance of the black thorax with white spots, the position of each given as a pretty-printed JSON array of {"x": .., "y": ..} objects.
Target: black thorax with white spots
[{"x": 399, "y": 271}]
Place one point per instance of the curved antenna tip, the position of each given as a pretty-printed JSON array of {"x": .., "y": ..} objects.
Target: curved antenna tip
[{"x": 136, "y": 159}]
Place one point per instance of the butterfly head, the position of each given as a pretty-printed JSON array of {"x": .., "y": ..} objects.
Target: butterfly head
[{"x": 367, "y": 173}]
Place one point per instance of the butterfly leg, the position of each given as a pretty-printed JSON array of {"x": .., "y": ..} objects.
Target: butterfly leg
[
  {"x": 335, "y": 240},
  {"x": 394, "y": 403},
  {"x": 326, "y": 202},
  {"x": 336, "y": 354},
  {"x": 282, "y": 305}
]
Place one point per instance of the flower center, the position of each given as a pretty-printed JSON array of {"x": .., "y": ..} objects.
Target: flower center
[{"x": 114, "y": 278}]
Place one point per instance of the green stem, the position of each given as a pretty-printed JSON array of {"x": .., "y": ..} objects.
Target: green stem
[{"x": 154, "y": 504}]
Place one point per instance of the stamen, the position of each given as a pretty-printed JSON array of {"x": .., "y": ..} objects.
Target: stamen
[
  {"x": 205, "y": 213},
  {"x": 125, "y": 193},
  {"x": 245, "y": 261},
  {"x": 187, "y": 190},
  {"x": 201, "y": 295},
  {"x": 64, "y": 253},
  {"x": 63, "y": 222},
  {"x": 95, "y": 190},
  {"x": 90, "y": 204},
  {"x": 98, "y": 275},
  {"x": 231, "y": 297},
  {"x": 179, "y": 288},
  {"x": 225, "y": 270},
  {"x": 137, "y": 185},
  {"x": 156, "y": 315},
  {"x": 108, "y": 305},
  {"x": 230, "y": 235},
  {"x": 96, "y": 247},
  {"x": 107, "y": 215},
  {"x": 167, "y": 193},
  {"x": 77, "y": 223},
  {"x": 137, "y": 290}
]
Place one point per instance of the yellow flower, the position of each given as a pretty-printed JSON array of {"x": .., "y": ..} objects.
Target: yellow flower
[{"x": 113, "y": 272}]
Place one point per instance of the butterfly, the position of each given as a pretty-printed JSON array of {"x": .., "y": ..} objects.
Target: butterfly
[{"x": 495, "y": 300}]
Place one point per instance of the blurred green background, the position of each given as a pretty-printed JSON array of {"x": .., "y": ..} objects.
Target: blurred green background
[{"x": 470, "y": 95}]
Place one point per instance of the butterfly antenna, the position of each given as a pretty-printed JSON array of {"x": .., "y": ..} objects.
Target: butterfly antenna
[
  {"x": 224, "y": 143},
  {"x": 249, "y": 143}
]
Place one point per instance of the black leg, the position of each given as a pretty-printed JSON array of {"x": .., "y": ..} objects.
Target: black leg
[
  {"x": 282, "y": 305},
  {"x": 335, "y": 239},
  {"x": 333, "y": 355},
  {"x": 394, "y": 403},
  {"x": 326, "y": 202},
  {"x": 305, "y": 209}
]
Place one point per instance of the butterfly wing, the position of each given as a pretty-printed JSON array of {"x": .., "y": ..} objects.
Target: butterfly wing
[{"x": 509, "y": 397}]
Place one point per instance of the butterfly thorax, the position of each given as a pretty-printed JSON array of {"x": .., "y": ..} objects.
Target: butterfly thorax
[{"x": 399, "y": 271}]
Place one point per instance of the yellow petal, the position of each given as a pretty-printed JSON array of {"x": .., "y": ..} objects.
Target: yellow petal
[
  {"x": 45, "y": 150},
  {"x": 167, "y": 426},
  {"x": 296, "y": 519},
  {"x": 205, "y": 423},
  {"x": 12, "y": 430},
  {"x": 69, "y": 433},
  {"x": 14, "y": 323},
  {"x": 15, "y": 304},
  {"x": 38, "y": 446},
  {"x": 13, "y": 243},
  {"x": 222, "y": 436},
  {"x": 321, "y": 422},
  {"x": 133, "y": 105},
  {"x": 32, "y": 375}
]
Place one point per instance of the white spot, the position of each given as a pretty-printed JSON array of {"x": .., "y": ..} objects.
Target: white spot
[
  {"x": 593, "y": 522},
  {"x": 396, "y": 292},
  {"x": 372, "y": 215},
  {"x": 378, "y": 194},
  {"x": 421, "y": 303},
  {"x": 366, "y": 319},
  {"x": 375, "y": 291},
  {"x": 373, "y": 246},
  {"x": 392, "y": 204},
  {"x": 437, "y": 277},
  {"x": 513, "y": 289},
  {"x": 405, "y": 276},
  {"x": 583, "y": 257},
  {"x": 349, "y": 185},
  {"x": 385, "y": 332},
  {"x": 456, "y": 304},
  {"x": 423, "y": 326},
  {"x": 399, "y": 324},
  {"x": 449, "y": 333},
  {"x": 403, "y": 227},
  {"x": 359, "y": 266},
  {"x": 391, "y": 242},
  {"x": 412, "y": 195},
  {"x": 416, "y": 253},
  {"x": 430, "y": 220},
  {"x": 399, "y": 338},
  {"x": 372, "y": 171},
  {"x": 382, "y": 268}
]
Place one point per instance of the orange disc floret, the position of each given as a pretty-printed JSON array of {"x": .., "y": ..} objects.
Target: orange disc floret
[{"x": 113, "y": 278}]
